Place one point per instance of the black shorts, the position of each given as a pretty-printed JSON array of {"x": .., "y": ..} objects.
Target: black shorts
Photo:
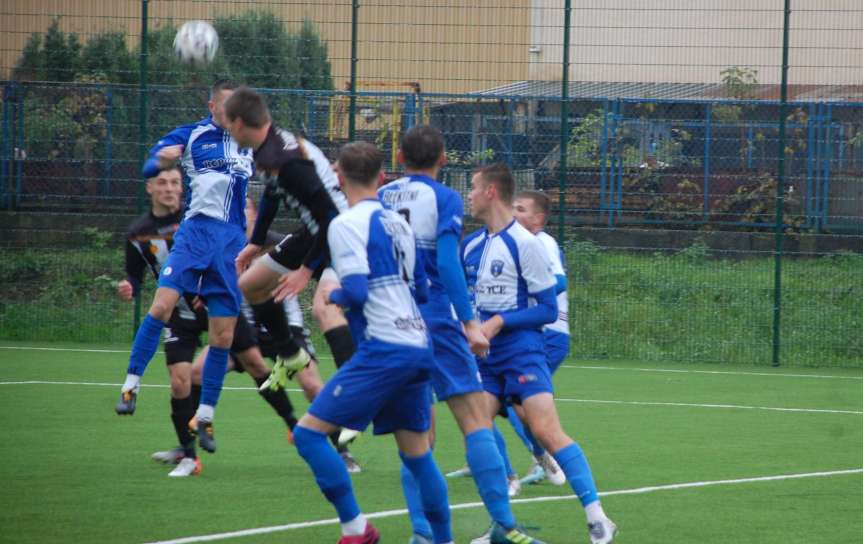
[
  {"x": 301, "y": 334},
  {"x": 183, "y": 338},
  {"x": 290, "y": 252}
]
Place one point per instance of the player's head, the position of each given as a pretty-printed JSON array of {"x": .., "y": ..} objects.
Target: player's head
[
  {"x": 360, "y": 167},
  {"x": 165, "y": 189},
  {"x": 531, "y": 208},
  {"x": 422, "y": 148},
  {"x": 221, "y": 90},
  {"x": 247, "y": 117},
  {"x": 491, "y": 186}
]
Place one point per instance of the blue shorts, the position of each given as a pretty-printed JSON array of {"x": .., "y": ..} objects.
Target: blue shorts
[
  {"x": 382, "y": 383},
  {"x": 455, "y": 371},
  {"x": 556, "y": 348},
  {"x": 202, "y": 262},
  {"x": 517, "y": 377}
]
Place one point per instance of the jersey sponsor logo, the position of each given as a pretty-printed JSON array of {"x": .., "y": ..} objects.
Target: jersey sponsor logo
[
  {"x": 491, "y": 289},
  {"x": 410, "y": 323},
  {"x": 527, "y": 378},
  {"x": 209, "y": 146},
  {"x": 496, "y": 267}
]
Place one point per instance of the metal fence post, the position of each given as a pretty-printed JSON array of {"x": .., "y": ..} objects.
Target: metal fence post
[
  {"x": 564, "y": 124},
  {"x": 352, "y": 108},
  {"x": 109, "y": 144},
  {"x": 5, "y": 201},
  {"x": 780, "y": 190},
  {"x": 142, "y": 133},
  {"x": 708, "y": 137}
]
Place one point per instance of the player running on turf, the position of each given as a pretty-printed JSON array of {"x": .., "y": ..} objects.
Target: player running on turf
[
  {"x": 514, "y": 293},
  {"x": 205, "y": 247},
  {"x": 386, "y": 381},
  {"x": 435, "y": 213},
  {"x": 295, "y": 171}
]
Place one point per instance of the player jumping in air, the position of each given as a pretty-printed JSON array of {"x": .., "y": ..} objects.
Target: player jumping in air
[
  {"x": 514, "y": 292},
  {"x": 205, "y": 247},
  {"x": 386, "y": 381},
  {"x": 435, "y": 213}
]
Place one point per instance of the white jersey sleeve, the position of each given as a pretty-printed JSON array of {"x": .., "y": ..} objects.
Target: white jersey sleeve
[
  {"x": 535, "y": 266},
  {"x": 347, "y": 248}
]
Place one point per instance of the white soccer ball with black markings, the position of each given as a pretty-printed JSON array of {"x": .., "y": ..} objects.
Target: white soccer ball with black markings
[{"x": 196, "y": 42}]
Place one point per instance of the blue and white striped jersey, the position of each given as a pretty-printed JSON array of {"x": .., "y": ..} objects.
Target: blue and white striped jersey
[
  {"x": 555, "y": 257},
  {"x": 378, "y": 243},
  {"x": 218, "y": 170},
  {"x": 503, "y": 270},
  {"x": 431, "y": 209}
]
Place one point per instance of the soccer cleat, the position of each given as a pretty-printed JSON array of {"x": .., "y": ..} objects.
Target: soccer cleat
[
  {"x": 535, "y": 475},
  {"x": 346, "y": 436},
  {"x": 370, "y": 536},
  {"x": 350, "y": 463},
  {"x": 496, "y": 534},
  {"x": 169, "y": 457},
  {"x": 203, "y": 429},
  {"x": 420, "y": 539},
  {"x": 126, "y": 405},
  {"x": 463, "y": 472},
  {"x": 602, "y": 532},
  {"x": 514, "y": 487},
  {"x": 187, "y": 467},
  {"x": 284, "y": 370},
  {"x": 552, "y": 469}
]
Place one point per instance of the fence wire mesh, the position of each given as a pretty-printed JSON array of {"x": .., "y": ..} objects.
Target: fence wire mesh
[{"x": 663, "y": 147}]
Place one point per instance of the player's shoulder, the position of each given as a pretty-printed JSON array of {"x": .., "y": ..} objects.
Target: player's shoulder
[
  {"x": 547, "y": 240},
  {"x": 474, "y": 238},
  {"x": 523, "y": 237},
  {"x": 141, "y": 224}
]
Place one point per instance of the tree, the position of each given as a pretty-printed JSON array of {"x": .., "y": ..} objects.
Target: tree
[
  {"x": 106, "y": 57},
  {"x": 314, "y": 62},
  {"x": 54, "y": 57}
]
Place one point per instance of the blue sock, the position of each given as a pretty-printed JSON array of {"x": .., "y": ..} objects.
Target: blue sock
[
  {"x": 574, "y": 464},
  {"x": 501, "y": 447},
  {"x": 486, "y": 465},
  {"x": 213, "y": 375},
  {"x": 433, "y": 491},
  {"x": 411, "y": 491},
  {"x": 329, "y": 471},
  {"x": 533, "y": 445},
  {"x": 145, "y": 345}
]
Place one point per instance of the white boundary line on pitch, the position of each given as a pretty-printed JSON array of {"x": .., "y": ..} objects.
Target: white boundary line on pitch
[
  {"x": 583, "y": 401},
  {"x": 464, "y": 506},
  {"x": 575, "y": 367}
]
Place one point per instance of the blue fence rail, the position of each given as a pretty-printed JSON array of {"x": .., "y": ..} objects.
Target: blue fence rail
[{"x": 631, "y": 161}]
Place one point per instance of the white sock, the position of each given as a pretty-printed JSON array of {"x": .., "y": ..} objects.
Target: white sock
[
  {"x": 132, "y": 382},
  {"x": 594, "y": 512},
  {"x": 356, "y": 526},
  {"x": 205, "y": 412}
]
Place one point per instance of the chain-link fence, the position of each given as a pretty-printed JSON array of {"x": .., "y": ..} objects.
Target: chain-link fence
[{"x": 710, "y": 203}]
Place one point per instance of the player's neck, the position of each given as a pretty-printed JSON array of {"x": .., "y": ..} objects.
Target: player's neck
[
  {"x": 260, "y": 135},
  {"x": 499, "y": 217},
  {"x": 159, "y": 210},
  {"x": 358, "y": 193},
  {"x": 428, "y": 172}
]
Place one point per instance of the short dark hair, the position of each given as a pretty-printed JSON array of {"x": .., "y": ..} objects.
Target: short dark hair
[
  {"x": 422, "y": 146},
  {"x": 223, "y": 85},
  {"x": 360, "y": 162},
  {"x": 541, "y": 201},
  {"x": 168, "y": 169},
  {"x": 248, "y": 106},
  {"x": 500, "y": 176}
]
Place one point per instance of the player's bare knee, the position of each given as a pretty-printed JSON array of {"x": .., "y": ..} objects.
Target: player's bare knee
[{"x": 160, "y": 310}]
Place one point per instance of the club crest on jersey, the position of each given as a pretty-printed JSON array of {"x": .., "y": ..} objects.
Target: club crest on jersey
[{"x": 496, "y": 267}]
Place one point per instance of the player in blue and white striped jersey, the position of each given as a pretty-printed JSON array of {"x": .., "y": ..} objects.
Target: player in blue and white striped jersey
[
  {"x": 511, "y": 279},
  {"x": 205, "y": 247},
  {"x": 386, "y": 381}
]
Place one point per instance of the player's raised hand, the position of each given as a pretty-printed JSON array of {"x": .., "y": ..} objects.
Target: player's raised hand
[
  {"x": 246, "y": 256},
  {"x": 292, "y": 283},
  {"x": 124, "y": 290},
  {"x": 477, "y": 340},
  {"x": 169, "y": 155}
]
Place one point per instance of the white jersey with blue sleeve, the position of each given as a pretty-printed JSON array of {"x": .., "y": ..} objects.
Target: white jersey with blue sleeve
[
  {"x": 503, "y": 270},
  {"x": 376, "y": 242},
  {"x": 555, "y": 257},
  {"x": 217, "y": 168},
  {"x": 432, "y": 209}
]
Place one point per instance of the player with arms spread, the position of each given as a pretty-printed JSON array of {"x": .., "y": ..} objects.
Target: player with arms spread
[
  {"x": 202, "y": 259},
  {"x": 514, "y": 294},
  {"x": 386, "y": 380}
]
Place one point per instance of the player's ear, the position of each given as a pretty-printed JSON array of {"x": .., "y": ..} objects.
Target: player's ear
[
  {"x": 382, "y": 178},
  {"x": 441, "y": 161},
  {"x": 400, "y": 156}
]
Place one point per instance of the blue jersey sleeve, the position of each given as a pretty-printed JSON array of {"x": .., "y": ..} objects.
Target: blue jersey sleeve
[
  {"x": 178, "y": 136},
  {"x": 451, "y": 274},
  {"x": 353, "y": 293},
  {"x": 533, "y": 317},
  {"x": 450, "y": 213}
]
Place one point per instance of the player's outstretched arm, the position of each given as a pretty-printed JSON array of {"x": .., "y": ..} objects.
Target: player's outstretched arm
[
  {"x": 452, "y": 277},
  {"x": 167, "y": 151}
]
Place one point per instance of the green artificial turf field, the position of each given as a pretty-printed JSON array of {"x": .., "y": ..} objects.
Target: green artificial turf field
[{"x": 73, "y": 471}]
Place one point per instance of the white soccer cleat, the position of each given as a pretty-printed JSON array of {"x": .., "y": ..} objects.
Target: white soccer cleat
[
  {"x": 552, "y": 470},
  {"x": 602, "y": 531},
  {"x": 514, "y": 487},
  {"x": 346, "y": 436},
  {"x": 168, "y": 457},
  {"x": 186, "y": 467},
  {"x": 534, "y": 475}
]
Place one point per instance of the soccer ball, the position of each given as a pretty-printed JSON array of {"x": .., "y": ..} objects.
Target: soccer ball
[{"x": 196, "y": 42}]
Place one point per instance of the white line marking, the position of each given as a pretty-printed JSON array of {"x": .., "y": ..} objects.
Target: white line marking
[
  {"x": 728, "y": 372},
  {"x": 32, "y": 348},
  {"x": 584, "y": 401},
  {"x": 468, "y": 505}
]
